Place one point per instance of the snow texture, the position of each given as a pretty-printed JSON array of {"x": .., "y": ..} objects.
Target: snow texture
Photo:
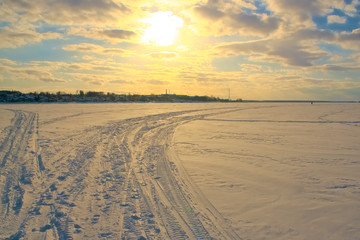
[{"x": 180, "y": 171}]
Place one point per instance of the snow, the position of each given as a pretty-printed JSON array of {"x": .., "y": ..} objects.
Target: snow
[
  {"x": 288, "y": 171},
  {"x": 177, "y": 171}
]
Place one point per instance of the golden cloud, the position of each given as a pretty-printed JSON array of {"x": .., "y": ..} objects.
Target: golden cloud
[
  {"x": 163, "y": 55},
  {"x": 14, "y": 37},
  {"x": 94, "y": 48}
]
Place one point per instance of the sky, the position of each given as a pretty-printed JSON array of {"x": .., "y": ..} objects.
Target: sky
[{"x": 260, "y": 50}]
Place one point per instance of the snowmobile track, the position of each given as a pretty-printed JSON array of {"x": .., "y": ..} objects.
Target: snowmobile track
[{"x": 117, "y": 181}]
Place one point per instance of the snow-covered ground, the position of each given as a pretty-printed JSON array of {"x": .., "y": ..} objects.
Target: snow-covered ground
[{"x": 178, "y": 171}]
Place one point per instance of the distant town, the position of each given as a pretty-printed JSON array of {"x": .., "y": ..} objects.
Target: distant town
[{"x": 93, "y": 96}]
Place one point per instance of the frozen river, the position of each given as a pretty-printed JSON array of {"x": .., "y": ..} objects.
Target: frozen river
[{"x": 180, "y": 171}]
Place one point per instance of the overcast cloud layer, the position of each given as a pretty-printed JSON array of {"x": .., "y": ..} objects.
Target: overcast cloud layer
[{"x": 264, "y": 49}]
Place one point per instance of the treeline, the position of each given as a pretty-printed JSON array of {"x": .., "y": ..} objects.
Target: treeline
[{"x": 93, "y": 96}]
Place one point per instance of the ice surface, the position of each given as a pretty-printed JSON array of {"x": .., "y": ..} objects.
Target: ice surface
[
  {"x": 178, "y": 171},
  {"x": 288, "y": 171}
]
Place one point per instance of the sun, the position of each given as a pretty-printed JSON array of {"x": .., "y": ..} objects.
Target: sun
[{"x": 162, "y": 28}]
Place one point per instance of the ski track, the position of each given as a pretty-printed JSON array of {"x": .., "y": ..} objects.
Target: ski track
[{"x": 118, "y": 181}]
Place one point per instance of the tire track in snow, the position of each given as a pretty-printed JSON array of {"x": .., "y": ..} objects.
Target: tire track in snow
[
  {"x": 118, "y": 181},
  {"x": 170, "y": 201},
  {"x": 16, "y": 170}
]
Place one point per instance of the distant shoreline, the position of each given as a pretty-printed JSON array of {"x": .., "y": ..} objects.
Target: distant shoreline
[
  {"x": 100, "y": 97},
  {"x": 9, "y": 96}
]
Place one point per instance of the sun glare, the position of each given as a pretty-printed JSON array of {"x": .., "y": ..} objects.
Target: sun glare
[{"x": 162, "y": 28}]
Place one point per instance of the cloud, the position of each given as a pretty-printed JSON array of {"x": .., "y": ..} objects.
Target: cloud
[
  {"x": 7, "y": 62},
  {"x": 33, "y": 71},
  {"x": 298, "y": 14},
  {"x": 151, "y": 9},
  {"x": 300, "y": 11},
  {"x": 66, "y": 12},
  {"x": 106, "y": 69},
  {"x": 251, "y": 67},
  {"x": 205, "y": 77},
  {"x": 111, "y": 35},
  {"x": 209, "y": 12},
  {"x": 82, "y": 47},
  {"x": 268, "y": 37},
  {"x": 350, "y": 39},
  {"x": 12, "y": 37},
  {"x": 96, "y": 82},
  {"x": 52, "y": 80},
  {"x": 314, "y": 34},
  {"x": 156, "y": 82},
  {"x": 89, "y": 47},
  {"x": 260, "y": 24},
  {"x": 96, "y": 67},
  {"x": 118, "y": 34},
  {"x": 116, "y": 51},
  {"x": 336, "y": 19},
  {"x": 39, "y": 75},
  {"x": 348, "y": 8},
  {"x": 163, "y": 55},
  {"x": 34, "y": 75},
  {"x": 250, "y": 47},
  {"x": 88, "y": 5},
  {"x": 93, "y": 79},
  {"x": 286, "y": 51},
  {"x": 230, "y": 18},
  {"x": 330, "y": 67},
  {"x": 247, "y": 4},
  {"x": 120, "y": 82}
]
